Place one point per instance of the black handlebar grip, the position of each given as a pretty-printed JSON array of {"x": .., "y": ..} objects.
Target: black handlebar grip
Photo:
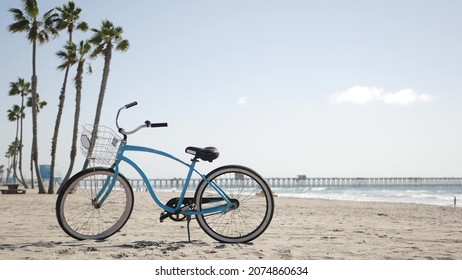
[
  {"x": 134, "y": 103},
  {"x": 159, "y": 124}
]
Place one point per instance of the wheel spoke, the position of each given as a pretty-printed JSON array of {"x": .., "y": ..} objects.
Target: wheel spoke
[
  {"x": 81, "y": 219},
  {"x": 255, "y": 205}
]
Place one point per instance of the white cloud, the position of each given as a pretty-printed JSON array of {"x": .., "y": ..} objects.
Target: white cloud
[
  {"x": 243, "y": 101},
  {"x": 363, "y": 95},
  {"x": 357, "y": 95}
]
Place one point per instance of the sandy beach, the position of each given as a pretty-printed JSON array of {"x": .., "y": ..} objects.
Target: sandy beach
[{"x": 302, "y": 229}]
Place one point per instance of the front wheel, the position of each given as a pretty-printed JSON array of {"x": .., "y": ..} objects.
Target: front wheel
[
  {"x": 253, "y": 204},
  {"x": 81, "y": 216}
]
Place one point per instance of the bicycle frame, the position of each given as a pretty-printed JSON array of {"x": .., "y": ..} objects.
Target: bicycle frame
[{"x": 124, "y": 147}]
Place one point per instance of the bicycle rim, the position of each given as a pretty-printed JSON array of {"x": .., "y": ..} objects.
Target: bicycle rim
[
  {"x": 80, "y": 218},
  {"x": 255, "y": 205}
]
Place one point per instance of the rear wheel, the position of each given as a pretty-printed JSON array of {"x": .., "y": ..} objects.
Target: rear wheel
[
  {"x": 81, "y": 217},
  {"x": 253, "y": 204}
]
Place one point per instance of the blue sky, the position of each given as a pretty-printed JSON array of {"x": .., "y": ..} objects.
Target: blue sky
[{"x": 321, "y": 88}]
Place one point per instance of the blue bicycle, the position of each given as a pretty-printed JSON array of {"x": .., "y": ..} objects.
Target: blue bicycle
[{"x": 232, "y": 204}]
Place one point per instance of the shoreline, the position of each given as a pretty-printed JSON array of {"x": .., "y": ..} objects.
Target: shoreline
[{"x": 301, "y": 229}]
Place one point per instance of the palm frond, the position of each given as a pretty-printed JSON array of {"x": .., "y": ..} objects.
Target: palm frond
[
  {"x": 38, "y": 104},
  {"x": 19, "y": 26},
  {"x": 97, "y": 51},
  {"x": 42, "y": 37},
  {"x": 82, "y": 26},
  {"x": 68, "y": 55},
  {"x": 84, "y": 47},
  {"x": 97, "y": 37},
  {"x": 89, "y": 69},
  {"x": 21, "y": 87},
  {"x": 123, "y": 46},
  {"x": 18, "y": 15},
  {"x": 32, "y": 34},
  {"x": 31, "y": 8},
  {"x": 63, "y": 66},
  {"x": 118, "y": 32}
]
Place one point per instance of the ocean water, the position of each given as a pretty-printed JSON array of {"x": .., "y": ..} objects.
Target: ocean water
[{"x": 434, "y": 195}]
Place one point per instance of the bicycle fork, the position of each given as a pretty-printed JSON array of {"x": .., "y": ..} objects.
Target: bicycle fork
[{"x": 106, "y": 189}]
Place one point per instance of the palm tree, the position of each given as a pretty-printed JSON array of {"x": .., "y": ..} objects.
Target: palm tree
[
  {"x": 21, "y": 88},
  {"x": 15, "y": 114},
  {"x": 104, "y": 40},
  {"x": 37, "y": 31},
  {"x": 38, "y": 106},
  {"x": 2, "y": 171},
  {"x": 9, "y": 154},
  {"x": 80, "y": 56},
  {"x": 12, "y": 152},
  {"x": 68, "y": 17}
]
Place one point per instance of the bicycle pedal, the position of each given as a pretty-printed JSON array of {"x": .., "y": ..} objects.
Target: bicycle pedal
[{"x": 163, "y": 216}]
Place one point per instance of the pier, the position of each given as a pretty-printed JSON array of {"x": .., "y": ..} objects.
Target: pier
[{"x": 302, "y": 181}]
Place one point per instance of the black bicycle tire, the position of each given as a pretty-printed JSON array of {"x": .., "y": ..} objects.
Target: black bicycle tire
[
  {"x": 260, "y": 229},
  {"x": 63, "y": 192}
]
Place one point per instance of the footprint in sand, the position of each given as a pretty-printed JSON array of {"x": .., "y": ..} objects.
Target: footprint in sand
[{"x": 285, "y": 254}]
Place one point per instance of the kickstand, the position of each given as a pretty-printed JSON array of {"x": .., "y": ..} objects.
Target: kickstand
[{"x": 188, "y": 220}]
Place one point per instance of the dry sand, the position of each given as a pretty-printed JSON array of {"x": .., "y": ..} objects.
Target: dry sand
[{"x": 302, "y": 229}]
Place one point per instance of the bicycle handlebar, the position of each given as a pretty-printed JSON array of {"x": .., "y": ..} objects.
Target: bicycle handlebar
[
  {"x": 146, "y": 123},
  {"x": 134, "y": 103},
  {"x": 149, "y": 124}
]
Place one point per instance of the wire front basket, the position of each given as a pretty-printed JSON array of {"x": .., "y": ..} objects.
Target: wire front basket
[{"x": 99, "y": 144}]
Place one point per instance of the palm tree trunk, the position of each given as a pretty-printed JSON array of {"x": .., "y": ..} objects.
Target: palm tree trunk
[
  {"x": 8, "y": 172},
  {"x": 34, "y": 120},
  {"x": 78, "y": 97},
  {"x": 20, "y": 146},
  {"x": 54, "y": 141},
  {"x": 15, "y": 156},
  {"x": 34, "y": 136},
  {"x": 31, "y": 171},
  {"x": 99, "y": 106}
]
